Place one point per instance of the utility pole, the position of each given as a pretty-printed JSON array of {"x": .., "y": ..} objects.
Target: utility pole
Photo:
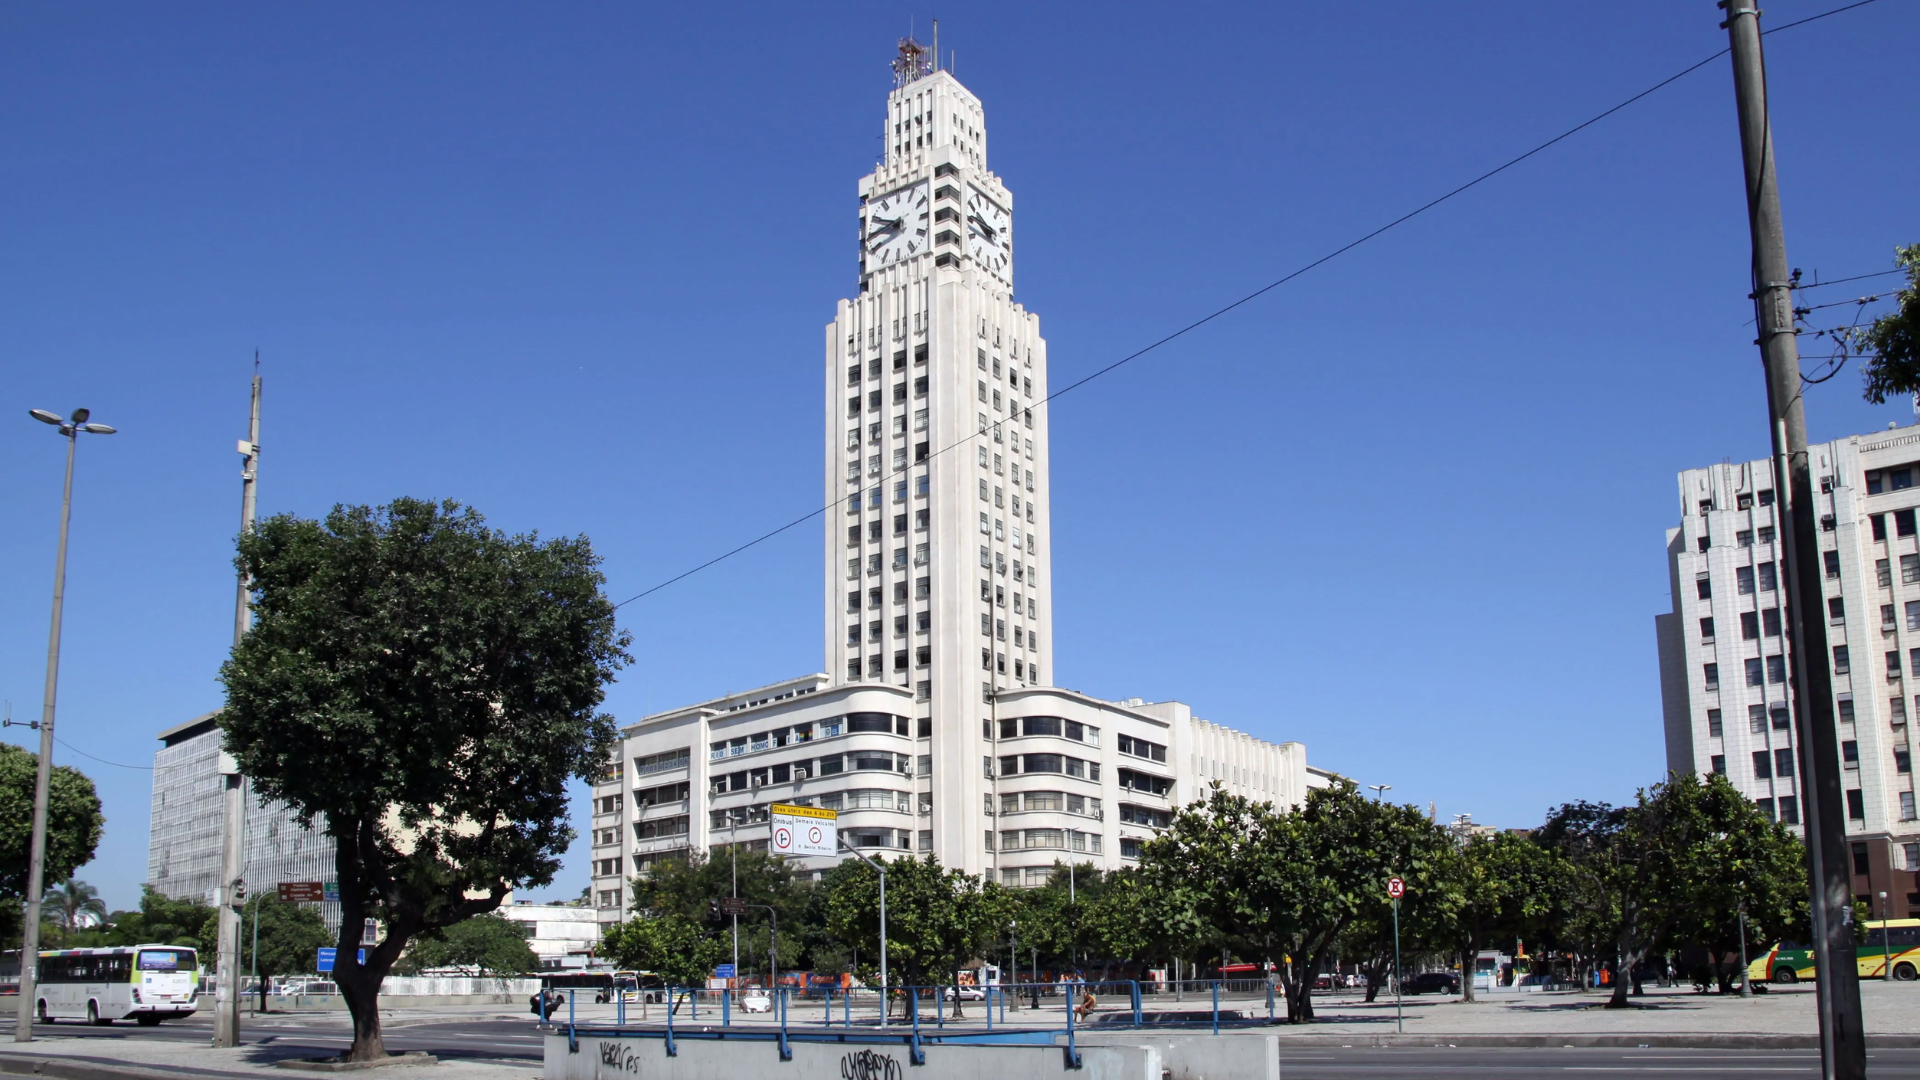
[
  {"x": 1843, "y": 1053},
  {"x": 43, "y": 770},
  {"x": 226, "y": 1016}
]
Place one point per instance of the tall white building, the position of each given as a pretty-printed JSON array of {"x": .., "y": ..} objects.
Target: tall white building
[
  {"x": 934, "y": 728},
  {"x": 1723, "y": 656}
]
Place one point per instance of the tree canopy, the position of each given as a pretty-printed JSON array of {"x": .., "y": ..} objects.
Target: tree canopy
[
  {"x": 483, "y": 945},
  {"x": 74, "y": 824},
  {"x": 427, "y": 687},
  {"x": 1891, "y": 343}
]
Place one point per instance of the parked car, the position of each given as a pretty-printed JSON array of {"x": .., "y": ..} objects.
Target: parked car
[
  {"x": 1323, "y": 981},
  {"x": 967, "y": 992},
  {"x": 1434, "y": 982}
]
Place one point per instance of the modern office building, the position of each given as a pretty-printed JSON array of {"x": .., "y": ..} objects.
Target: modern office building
[
  {"x": 183, "y": 840},
  {"x": 935, "y": 727},
  {"x": 1723, "y": 654}
]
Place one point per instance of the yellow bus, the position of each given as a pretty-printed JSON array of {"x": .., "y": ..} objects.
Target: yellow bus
[{"x": 1890, "y": 943}]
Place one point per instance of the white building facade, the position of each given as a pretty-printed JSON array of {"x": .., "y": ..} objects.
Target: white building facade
[
  {"x": 935, "y": 728},
  {"x": 1723, "y": 656}
]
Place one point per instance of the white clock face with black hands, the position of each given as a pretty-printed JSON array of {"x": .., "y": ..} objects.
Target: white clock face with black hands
[
  {"x": 897, "y": 225},
  {"x": 989, "y": 233}
]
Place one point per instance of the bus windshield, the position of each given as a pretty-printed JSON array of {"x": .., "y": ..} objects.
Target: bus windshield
[{"x": 166, "y": 960}]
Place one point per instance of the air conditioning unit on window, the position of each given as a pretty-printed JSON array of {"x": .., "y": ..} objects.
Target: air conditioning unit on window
[{"x": 800, "y": 773}]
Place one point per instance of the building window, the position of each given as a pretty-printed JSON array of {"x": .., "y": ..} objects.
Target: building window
[
  {"x": 1765, "y": 806},
  {"x": 1769, "y": 577},
  {"x": 1713, "y": 725},
  {"x": 1789, "y": 810},
  {"x": 1779, "y": 714},
  {"x": 1743, "y": 538},
  {"x": 1766, "y": 534},
  {"x": 1907, "y": 814},
  {"x": 1749, "y": 625},
  {"x": 1756, "y": 719},
  {"x": 1777, "y": 669},
  {"x": 1893, "y": 665},
  {"x": 1882, "y": 573},
  {"x": 1755, "y": 673},
  {"x": 1831, "y": 559},
  {"x": 1743, "y": 579},
  {"x": 1718, "y": 766},
  {"x": 1840, "y": 660},
  {"x": 1703, "y": 587},
  {"x": 1783, "y": 762},
  {"x": 1762, "y": 765},
  {"x": 1849, "y": 754},
  {"x": 1712, "y": 672},
  {"x": 1706, "y": 624},
  {"x": 1902, "y": 761},
  {"x": 1856, "y": 804}
]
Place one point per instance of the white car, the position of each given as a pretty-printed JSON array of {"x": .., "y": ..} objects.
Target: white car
[
  {"x": 756, "y": 1001},
  {"x": 967, "y": 993}
]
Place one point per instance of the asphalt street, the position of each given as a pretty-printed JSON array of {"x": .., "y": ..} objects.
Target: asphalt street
[
  {"x": 1401, "y": 1063},
  {"x": 505, "y": 1041}
]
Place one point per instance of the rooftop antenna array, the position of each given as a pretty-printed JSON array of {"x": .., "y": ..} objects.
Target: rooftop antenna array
[{"x": 912, "y": 62}]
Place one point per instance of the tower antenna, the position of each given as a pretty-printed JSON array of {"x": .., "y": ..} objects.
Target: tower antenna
[{"x": 936, "y": 43}]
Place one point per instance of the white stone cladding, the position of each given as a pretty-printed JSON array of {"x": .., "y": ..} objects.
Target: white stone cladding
[
  {"x": 1728, "y": 548},
  {"x": 935, "y": 727}
]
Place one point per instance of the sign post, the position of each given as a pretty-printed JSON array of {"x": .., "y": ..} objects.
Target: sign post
[{"x": 1396, "y": 888}]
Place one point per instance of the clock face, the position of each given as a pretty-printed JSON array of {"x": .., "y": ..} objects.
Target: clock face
[
  {"x": 989, "y": 233},
  {"x": 896, "y": 227}
]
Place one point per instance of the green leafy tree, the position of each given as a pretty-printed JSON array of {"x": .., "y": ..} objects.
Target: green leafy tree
[
  {"x": 1755, "y": 865},
  {"x": 280, "y": 939},
  {"x": 937, "y": 918},
  {"x": 686, "y": 887},
  {"x": 681, "y": 951},
  {"x": 1637, "y": 874},
  {"x": 1891, "y": 342},
  {"x": 1502, "y": 888},
  {"x": 1279, "y": 886},
  {"x": 162, "y": 920},
  {"x": 483, "y": 945},
  {"x": 74, "y": 822},
  {"x": 427, "y": 687},
  {"x": 1423, "y": 856}
]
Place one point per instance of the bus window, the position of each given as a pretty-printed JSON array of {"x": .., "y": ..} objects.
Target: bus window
[{"x": 166, "y": 960}]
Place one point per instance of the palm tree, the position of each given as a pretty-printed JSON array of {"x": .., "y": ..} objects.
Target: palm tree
[{"x": 74, "y": 900}]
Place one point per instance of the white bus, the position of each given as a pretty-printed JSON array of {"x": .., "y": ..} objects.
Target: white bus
[{"x": 143, "y": 983}]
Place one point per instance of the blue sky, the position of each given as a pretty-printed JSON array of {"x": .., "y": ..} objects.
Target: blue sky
[{"x": 571, "y": 265}]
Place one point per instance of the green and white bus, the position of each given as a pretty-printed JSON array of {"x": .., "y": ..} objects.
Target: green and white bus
[{"x": 142, "y": 983}]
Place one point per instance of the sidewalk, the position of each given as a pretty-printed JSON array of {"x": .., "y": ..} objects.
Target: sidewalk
[{"x": 72, "y": 1058}]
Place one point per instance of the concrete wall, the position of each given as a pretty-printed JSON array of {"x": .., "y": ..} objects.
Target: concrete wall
[{"x": 706, "y": 1059}]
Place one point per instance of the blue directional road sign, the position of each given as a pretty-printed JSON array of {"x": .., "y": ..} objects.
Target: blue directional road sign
[
  {"x": 723, "y": 971},
  {"x": 324, "y": 961}
]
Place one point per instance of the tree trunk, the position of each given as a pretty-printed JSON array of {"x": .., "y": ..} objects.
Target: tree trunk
[
  {"x": 1619, "y": 998},
  {"x": 1469, "y": 956}
]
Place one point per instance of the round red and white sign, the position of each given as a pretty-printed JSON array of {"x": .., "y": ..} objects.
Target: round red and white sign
[
  {"x": 1396, "y": 888},
  {"x": 814, "y": 834},
  {"x": 782, "y": 839}
]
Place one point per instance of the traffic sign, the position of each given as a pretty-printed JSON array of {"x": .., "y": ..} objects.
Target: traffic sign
[
  {"x": 301, "y": 892},
  {"x": 1396, "y": 888},
  {"x": 803, "y": 830},
  {"x": 732, "y": 905},
  {"x": 723, "y": 971},
  {"x": 323, "y": 962},
  {"x": 330, "y": 890}
]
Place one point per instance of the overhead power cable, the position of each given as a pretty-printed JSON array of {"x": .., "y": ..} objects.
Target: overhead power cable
[{"x": 1257, "y": 293}]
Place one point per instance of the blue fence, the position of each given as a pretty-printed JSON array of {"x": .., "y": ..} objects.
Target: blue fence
[{"x": 835, "y": 1021}]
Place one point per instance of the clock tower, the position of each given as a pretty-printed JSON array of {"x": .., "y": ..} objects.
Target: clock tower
[{"x": 937, "y": 569}]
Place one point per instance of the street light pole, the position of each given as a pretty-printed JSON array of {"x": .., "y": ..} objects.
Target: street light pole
[
  {"x": 226, "y": 1016},
  {"x": 1379, "y": 790},
  {"x": 43, "y": 771},
  {"x": 881, "y": 869}
]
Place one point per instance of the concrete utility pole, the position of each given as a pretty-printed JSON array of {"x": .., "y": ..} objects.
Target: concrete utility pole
[
  {"x": 1842, "y": 1045},
  {"x": 226, "y": 1015},
  {"x": 43, "y": 772}
]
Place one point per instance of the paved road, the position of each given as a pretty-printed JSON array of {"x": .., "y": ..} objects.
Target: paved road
[
  {"x": 505, "y": 1041},
  {"x": 1402, "y": 1063}
]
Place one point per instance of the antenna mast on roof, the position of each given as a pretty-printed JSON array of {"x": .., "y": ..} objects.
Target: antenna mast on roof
[
  {"x": 936, "y": 44},
  {"x": 911, "y": 62}
]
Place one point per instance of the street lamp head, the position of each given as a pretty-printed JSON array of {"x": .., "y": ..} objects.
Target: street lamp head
[
  {"x": 98, "y": 429},
  {"x": 80, "y": 416},
  {"x": 45, "y": 417}
]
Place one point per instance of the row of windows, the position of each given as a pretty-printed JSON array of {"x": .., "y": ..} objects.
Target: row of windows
[
  {"x": 922, "y": 556},
  {"x": 922, "y": 589},
  {"x": 1142, "y": 748},
  {"x": 920, "y": 522},
  {"x": 1059, "y": 802},
  {"x": 1883, "y": 480},
  {"x": 1772, "y": 670},
  {"x": 831, "y": 765},
  {"x": 1055, "y": 726},
  {"x": 1023, "y": 668},
  {"x": 899, "y": 357},
  {"x": 1743, "y": 501},
  {"x": 1903, "y": 524},
  {"x": 872, "y": 500},
  {"x": 659, "y": 827},
  {"x": 807, "y": 731},
  {"x": 665, "y": 793},
  {"x": 1145, "y": 815},
  {"x": 1015, "y": 764},
  {"x": 1131, "y": 780},
  {"x": 1047, "y": 839},
  {"x": 664, "y": 761}
]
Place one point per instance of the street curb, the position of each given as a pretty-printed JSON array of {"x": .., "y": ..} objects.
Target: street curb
[
  {"x": 67, "y": 1069},
  {"x": 1671, "y": 1040}
]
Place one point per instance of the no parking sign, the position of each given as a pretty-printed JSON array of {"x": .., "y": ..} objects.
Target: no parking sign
[{"x": 803, "y": 830}]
